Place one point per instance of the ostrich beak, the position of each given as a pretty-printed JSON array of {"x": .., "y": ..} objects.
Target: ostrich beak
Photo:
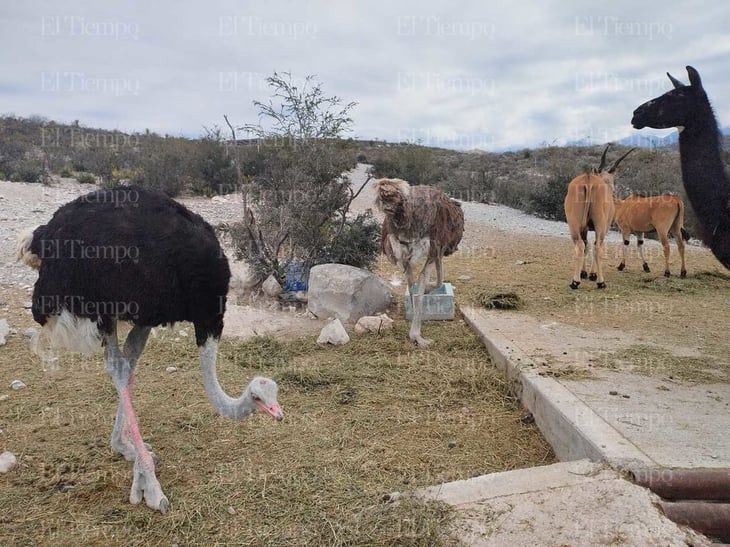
[{"x": 273, "y": 410}]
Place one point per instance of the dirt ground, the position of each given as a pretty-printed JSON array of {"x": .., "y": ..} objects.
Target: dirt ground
[{"x": 374, "y": 417}]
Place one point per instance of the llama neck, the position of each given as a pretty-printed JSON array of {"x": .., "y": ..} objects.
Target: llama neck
[
  {"x": 703, "y": 172},
  {"x": 224, "y": 404}
]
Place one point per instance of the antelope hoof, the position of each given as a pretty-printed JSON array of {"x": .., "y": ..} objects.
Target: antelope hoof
[
  {"x": 574, "y": 284},
  {"x": 666, "y": 273},
  {"x": 683, "y": 274},
  {"x": 592, "y": 277},
  {"x": 601, "y": 285},
  {"x": 621, "y": 267},
  {"x": 646, "y": 267},
  {"x": 583, "y": 274}
]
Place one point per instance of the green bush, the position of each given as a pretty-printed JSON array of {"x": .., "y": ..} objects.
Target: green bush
[
  {"x": 547, "y": 200},
  {"x": 86, "y": 178},
  {"x": 358, "y": 243}
]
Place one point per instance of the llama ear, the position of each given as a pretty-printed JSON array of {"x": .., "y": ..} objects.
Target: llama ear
[
  {"x": 694, "y": 77},
  {"x": 676, "y": 83}
]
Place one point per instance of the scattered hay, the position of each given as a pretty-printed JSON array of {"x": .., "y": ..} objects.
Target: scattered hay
[
  {"x": 500, "y": 301},
  {"x": 362, "y": 420},
  {"x": 658, "y": 362}
]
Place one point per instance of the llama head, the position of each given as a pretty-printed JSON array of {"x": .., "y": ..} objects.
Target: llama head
[
  {"x": 391, "y": 195},
  {"x": 676, "y": 108}
]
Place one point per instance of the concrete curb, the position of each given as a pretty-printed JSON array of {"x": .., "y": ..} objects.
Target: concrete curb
[{"x": 571, "y": 427}]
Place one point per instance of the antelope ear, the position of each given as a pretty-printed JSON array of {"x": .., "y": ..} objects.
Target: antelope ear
[
  {"x": 694, "y": 77},
  {"x": 676, "y": 83}
]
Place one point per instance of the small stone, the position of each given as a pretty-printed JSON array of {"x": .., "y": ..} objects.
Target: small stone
[
  {"x": 17, "y": 384},
  {"x": 333, "y": 333},
  {"x": 452, "y": 444},
  {"x": 231, "y": 510},
  {"x": 171, "y": 369},
  {"x": 4, "y": 397},
  {"x": 527, "y": 419},
  {"x": 613, "y": 392},
  {"x": 465, "y": 410},
  {"x": 626, "y": 396},
  {"x": 271, "y": 287},
  {"x": 464, "y": 278},
  {"x": 30, "y": 332},
  {"x": 7, "y": 461}
]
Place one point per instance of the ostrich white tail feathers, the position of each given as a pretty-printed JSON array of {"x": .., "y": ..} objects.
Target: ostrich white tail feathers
[
  {"x": 67, "y": 332},
  {"x": 22, "y": 250}
]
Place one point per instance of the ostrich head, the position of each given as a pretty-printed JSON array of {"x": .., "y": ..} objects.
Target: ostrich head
[
  {"x": 676, "y": 108},
  {"x": 261, "y": 395},
  {"x": 392, "y": 195}
]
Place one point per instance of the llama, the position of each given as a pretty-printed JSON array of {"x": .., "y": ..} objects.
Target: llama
[{"x": 687, "y": 108}]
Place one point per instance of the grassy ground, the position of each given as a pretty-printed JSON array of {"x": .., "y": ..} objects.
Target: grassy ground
[
  {"x": 363, "y": 420},
  {"x": 686, "y": 317}
]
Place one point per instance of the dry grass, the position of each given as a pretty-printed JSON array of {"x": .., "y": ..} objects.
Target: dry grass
[
  {"x": 689, "y": 313},
  {"x": 363, "y": 420}
]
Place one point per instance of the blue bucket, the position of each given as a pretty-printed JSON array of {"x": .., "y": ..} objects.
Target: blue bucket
[{"x": 296, "y": 277}]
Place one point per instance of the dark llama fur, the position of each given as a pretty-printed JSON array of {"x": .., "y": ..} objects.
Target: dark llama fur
[
  {"x": 703, "y": 172},
  {"x": 131, "y": 254}
]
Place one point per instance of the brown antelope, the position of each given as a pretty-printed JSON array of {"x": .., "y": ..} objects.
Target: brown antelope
[
  {"x": 638, "y": 214},
  {"x": 589, "y": 206}
]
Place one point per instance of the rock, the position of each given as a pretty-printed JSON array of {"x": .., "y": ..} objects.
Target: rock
[
  {"x": 4, "y": 397},
  {"x": 7, "y": 461},
  {"x": 271, "y": 287},
  {"x": 346, "y": 292},
  {"x": 171, "y": 369},
  {"x": 452, "y": 444},
  {"x": 374, "y": 323},
  {"x": 17, "y": 385},
  {"x": 464, "y": 278},
  {"x": 333, "y": 333},
  {"x": 4, "y": 330}
]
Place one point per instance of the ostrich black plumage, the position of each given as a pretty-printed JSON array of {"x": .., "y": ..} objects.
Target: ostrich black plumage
[{"x": 134, "y": 255}]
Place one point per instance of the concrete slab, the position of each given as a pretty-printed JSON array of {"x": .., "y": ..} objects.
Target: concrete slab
[
  {"x": 568, "y": 504},
  {"x": 621, "y": 418}
]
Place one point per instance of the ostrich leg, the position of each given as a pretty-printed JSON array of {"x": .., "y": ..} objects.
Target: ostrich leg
[
  {"x": 121, "y": 367},
  {"x": 121, "y": 441},
  {"x": 417, "y": 300}
]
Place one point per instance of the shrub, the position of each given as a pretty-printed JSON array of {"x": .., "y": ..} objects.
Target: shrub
[
  {"x": 357, "y": 243},
  {"x": 86, "y": 178}
]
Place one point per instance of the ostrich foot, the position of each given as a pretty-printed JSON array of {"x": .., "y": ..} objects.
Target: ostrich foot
[
  {"x": 420, "y": 340},
  {"x": 145, "y": 485}
]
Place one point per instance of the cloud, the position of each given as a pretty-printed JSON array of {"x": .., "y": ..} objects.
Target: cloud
[{"x": 461, "y": 75}]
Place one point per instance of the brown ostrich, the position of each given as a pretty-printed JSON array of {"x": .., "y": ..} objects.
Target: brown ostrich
[
  {"x": 421, "y": 223},
  {"x": 687, "y": 108}
]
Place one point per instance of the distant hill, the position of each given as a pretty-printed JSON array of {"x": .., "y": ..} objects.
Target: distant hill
[{"x": 670, "y": 141}]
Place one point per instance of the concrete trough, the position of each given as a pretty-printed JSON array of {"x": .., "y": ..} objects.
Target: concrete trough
[{"x": 438, "y": 305}]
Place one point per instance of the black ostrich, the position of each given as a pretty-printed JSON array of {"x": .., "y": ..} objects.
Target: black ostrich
[
  {"x": 687, "y": 108},
  {"x": 134, "y": 255}
]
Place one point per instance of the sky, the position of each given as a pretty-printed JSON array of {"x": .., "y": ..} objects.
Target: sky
[{"x": 464, "y": 75}]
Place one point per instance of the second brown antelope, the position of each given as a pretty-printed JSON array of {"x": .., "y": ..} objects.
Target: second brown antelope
[
  {"x": 589, "y": 206},
  {"x": 665, "y": 214}
]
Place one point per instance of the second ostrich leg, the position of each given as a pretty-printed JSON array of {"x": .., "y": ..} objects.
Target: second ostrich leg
[
  {"x": 120, "y": 365},
  {"x": 417, "y": 306},
  {"x": 121, "y": 441}
]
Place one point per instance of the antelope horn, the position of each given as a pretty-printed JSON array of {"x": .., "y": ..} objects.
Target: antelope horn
[
  {"x": 615, "y": 164},
  {"x": 603, "y": 158}
]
